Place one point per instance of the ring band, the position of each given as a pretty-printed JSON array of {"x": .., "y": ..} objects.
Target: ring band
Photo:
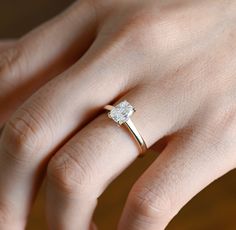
[{"x": 121, "y": 114}]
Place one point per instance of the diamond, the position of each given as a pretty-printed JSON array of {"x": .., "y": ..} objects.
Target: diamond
[{"x": 121, "y": 112}]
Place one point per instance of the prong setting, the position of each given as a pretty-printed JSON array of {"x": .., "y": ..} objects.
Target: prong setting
[{"x": 122, "y": 112}]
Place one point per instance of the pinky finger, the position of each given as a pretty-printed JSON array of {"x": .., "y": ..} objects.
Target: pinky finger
[{"x": 186, "y": 166}]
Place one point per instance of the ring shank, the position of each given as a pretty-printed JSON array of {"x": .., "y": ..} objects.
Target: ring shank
[{"x": 134, "y": 132}]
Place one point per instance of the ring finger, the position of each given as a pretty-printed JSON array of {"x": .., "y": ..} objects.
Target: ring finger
[{"x": 81, "y": 170}]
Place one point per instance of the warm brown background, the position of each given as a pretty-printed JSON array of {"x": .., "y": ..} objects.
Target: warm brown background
[{"x": 212, "y": 209}]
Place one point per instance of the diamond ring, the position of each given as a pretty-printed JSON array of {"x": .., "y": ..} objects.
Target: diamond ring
[{"x": 121, "y": 114}]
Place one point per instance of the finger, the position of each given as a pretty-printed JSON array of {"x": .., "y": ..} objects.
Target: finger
[
  {"x": 43, "y": 53},
  {"x": 82, "y": 169},
  {"x": 187, "y": 165},
  {"x": 47, "y": 120}
]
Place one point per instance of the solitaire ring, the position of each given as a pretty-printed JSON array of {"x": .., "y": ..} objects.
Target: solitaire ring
[{"x": 121, "y": 114}]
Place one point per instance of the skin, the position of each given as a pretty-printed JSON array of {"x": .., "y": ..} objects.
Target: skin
[{"x": 174, "y": 60}]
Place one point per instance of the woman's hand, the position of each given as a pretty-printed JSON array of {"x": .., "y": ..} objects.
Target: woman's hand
[{"x": 175, "y": 61}]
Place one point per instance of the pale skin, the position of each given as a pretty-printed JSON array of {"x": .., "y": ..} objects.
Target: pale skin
[{"x": 174, "y": 60}]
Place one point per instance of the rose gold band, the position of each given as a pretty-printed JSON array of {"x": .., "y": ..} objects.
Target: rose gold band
[{"x": 133, "y": 131}]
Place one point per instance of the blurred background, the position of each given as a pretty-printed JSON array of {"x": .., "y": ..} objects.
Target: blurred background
[{"x": 212, "y": 209}]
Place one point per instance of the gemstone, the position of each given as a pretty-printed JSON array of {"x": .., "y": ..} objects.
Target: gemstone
[{"x": 121, "y": 112}]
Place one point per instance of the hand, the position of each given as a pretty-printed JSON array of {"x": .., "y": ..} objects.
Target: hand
[{"x": 174, "y": 60}]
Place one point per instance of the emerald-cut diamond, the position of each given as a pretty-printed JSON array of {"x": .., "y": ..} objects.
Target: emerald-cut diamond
[{"x": 121, "y": 112}]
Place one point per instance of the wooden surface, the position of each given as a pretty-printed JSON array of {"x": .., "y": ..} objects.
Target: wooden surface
[{"x": 212, "y": 209}]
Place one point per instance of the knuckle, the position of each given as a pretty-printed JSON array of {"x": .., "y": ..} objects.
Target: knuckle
[
  {"x": 9, "y": 61},
  {"x": 226, "y": 129},
  {"x": 69, "y": 174},
  {"x": 222, "y": 125},
  {"x": 4, "y": 216},
  {"x": 215, "y": 131},
  {"x": 6, "y": 220},
  {"x": 149, "y": 203},
  {"x": 139, "y": 30},
  {"x": 22, "y": 136},
  {"x": 229, "y": 118},
  {"x": 146, "y": 29}
]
